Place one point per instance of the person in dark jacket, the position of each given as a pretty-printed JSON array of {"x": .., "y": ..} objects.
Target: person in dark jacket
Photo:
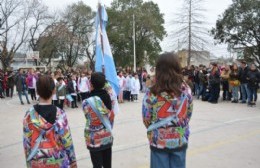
[
  {"x": 72, "y": 90},
  {"x": 253, "y": 77},
  {"x": 99, "y": 122},
  {"x": 244, "y": 82},
  {"x": 21, "y": 86},
  {"x": 214, "y": 84},
  {"x": 1, "y": 84},
  {"x": 11, "y": 83}
]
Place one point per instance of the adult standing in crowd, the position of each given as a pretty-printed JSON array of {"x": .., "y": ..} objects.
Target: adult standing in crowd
[
  {"x": 2, "y": 95},
  {"x": 253, "y": 77},
  {"x": 31, "y": 81},
  {"x": 100, "y": 117},
  {"x": 46, "y": 135},
  {"x": 244, "y": 82},
  {"x": 225, "y": 85},
  {"x": 214, "y": 84},
  {"x": 234, "y": 82},
  {"x": 11, "y": 84},
  {"x": 21, "y": 87},
  {"x": 72, "y": 90},
  {"x": 167, "y": 110}
]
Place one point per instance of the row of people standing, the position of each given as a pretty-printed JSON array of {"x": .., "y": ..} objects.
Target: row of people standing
[
  {"x": 130, "y": 85},
  {"x": 233, "y": 79}
]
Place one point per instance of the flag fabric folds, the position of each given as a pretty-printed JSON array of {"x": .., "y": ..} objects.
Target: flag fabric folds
[{"x": 104, "y": 57}]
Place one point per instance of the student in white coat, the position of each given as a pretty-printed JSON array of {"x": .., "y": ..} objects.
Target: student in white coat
[{"x": 135, "y": 87}]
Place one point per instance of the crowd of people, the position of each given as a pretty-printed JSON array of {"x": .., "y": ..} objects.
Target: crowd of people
[
  {"x": 166, "y": 108},
  {"x": 238, "y": 82},
  {"x": 71, "y": 86}
]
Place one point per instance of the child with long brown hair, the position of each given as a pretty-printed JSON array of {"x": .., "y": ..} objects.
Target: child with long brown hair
[{"x": 167, "y": 110}]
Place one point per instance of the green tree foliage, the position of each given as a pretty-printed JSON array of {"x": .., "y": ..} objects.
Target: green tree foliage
[
  {"x": 149, "y": 31},
  {"x": 78, "y": 20},
  {"x": 239, "y": 26}
]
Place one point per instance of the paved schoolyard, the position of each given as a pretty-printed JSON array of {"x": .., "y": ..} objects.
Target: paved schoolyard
[{"x": 224, "y": 135}]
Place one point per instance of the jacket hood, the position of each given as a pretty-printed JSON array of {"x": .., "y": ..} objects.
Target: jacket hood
[{"x": 38, "y": 121}]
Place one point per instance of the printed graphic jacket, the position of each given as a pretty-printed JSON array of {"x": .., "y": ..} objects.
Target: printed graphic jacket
[
  {"x": 96, "y": 135},
  {"x": 175, "y": 134},
  {"x": 56, "y": 147}
]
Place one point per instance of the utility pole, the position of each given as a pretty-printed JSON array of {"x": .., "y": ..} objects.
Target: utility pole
[
  {"x": 134, "y": 36},
  {"x": 134, "y": 42},
  {"x": 189, "y": 50}
]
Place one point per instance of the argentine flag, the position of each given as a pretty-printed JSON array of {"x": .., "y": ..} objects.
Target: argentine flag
[{"x": 104, "y": 56}]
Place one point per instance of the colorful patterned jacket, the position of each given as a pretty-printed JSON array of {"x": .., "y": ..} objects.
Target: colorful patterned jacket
[
  {"x": 56, "y": 148},
  {"x": 175, "y": 134},
  {"x": 96, "y": 135}
]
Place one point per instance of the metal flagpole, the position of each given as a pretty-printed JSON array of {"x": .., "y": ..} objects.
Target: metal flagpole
[
  {"x": 101, "y": 35},
  {"x": 134, "y": 42}
]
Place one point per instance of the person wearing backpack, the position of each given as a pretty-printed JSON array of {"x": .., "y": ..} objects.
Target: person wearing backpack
[
  {"x": 47, "y": 138},
  {"x": 167, "y": 109},
  {"x": 99, "y": 118}
]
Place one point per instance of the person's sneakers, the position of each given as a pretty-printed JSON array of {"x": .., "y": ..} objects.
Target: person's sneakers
[
  {"x": 243, "y": 102},
  {"x": 234, "y": 101},
  {"x": 22, "y": 103}
]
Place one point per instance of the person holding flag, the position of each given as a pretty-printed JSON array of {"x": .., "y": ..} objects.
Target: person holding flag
[{"x": 100, "y": 107}]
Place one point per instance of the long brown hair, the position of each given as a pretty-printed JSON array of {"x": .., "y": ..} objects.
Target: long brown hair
[{"x": 168, "y": 75}]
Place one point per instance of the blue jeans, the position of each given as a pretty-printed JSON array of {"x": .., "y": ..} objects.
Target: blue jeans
[
  {"x": 161, "y": 159},
  {"x": 252, "y": 94},
  {"x": 20, "y": 93},
  {"x": 197, "y": 88},
  {"x": 245, "y": 92},
  {"x": 235, "y": 92},
  {"x": 201, "y": 90}
]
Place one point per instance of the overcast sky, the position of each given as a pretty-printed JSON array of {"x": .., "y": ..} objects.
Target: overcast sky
[{"x": 169, "y": 8}]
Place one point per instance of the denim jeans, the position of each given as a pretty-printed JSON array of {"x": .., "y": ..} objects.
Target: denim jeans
[
  {"x": 252, "y": 94},
  {"x": 245, "y": 92},
  {"x": 201, "y": 90},
  {"x": 20, "y": 93},
  {"x": 174, "y": 159},
  {"x": 235, "y": 92},
  {"x": 197, "y": 88}
]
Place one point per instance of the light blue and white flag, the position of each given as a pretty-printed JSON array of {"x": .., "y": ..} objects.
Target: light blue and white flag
[{"x": 104, "y": 57}]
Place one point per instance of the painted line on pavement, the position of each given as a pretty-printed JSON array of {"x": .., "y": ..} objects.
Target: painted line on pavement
[
  {"x": 218, "y": 144},
  {"x": 222, "y": 143}
]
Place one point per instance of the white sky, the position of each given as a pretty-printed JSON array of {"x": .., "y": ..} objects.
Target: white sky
[{"x": 168, "y": 7}]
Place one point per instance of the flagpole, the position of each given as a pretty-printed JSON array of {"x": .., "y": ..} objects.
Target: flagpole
[{"x": 101, "y": 36}]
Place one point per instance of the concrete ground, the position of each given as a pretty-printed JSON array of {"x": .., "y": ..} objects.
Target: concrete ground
[{"x": 224, "y": 135}]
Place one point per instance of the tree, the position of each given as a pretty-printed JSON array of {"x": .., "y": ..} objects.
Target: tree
[
  {"x": 78, "y": 19},
  {"x": 15, "y": 19},
  {"x": 239, "y": 27},
  {"x": 49, "y": 42},
  {"x": 149, "y": 31},
  {"x": 190, "y": 32}
]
